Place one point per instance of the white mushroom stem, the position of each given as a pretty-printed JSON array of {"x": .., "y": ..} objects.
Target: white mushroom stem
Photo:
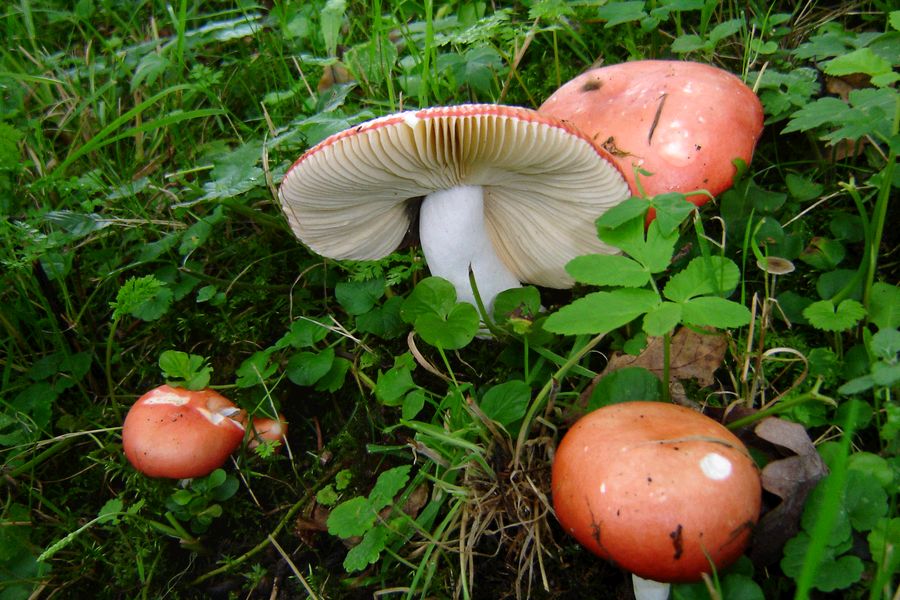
[
  {"x": 647, "y": 589},
  {"x": 454, "y": 236}
]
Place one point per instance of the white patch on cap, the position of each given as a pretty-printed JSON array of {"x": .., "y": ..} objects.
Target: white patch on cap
[
  {"x": 159, "y": 397},
  {"x": 603, "y": 488},
  {"x": 715, "y": 466}
]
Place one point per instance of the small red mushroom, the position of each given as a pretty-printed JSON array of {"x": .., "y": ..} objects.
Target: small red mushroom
[
  {"x": 177, "y": 433},
  {"x": 684, "y": 122},
  {"x": 266, "y": 429},
  {"x": 660, "y": 490}
]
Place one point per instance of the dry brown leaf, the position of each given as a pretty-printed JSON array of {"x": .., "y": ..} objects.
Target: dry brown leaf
[
  {"x": 692, "y": 355},
  {"x": 791, "y": 479}
]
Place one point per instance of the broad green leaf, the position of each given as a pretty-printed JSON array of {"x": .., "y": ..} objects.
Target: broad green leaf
[
  {"x": 662, "y": 319},
  {"x": 833, "y": 573},
  {"x": 625, "y": 385},
  {"x": 383, "y": 321},
  {"x": 714, "y": 312},
  {"x": 432, "y": 295},
  {"x": 507, "y": 402},
  {"x": 331, "y": 19},
  {"x": 802, "y": 188},
  {"x": 607, "y": 269},
  {"x": 304, "y": 332},
  {"x": 255, "y": 369},
  {"x": 517, "y": 303},
  {"x": 333, "y": 380},
  {"x": 358, "y": 297},
  {"x": 712, "y": 275},
  {"x": 886, "y": 344},
  {"x": 865, "y": 500},
  {"x": 393, "y": 385},
  {"x": 306, "y": 368},
  {"x": 413, "y": 403},
  {"x": 601, "y": 311},
  {"x": 823, "y": 253},
  {"x": 825, "y": 316},
  {"x": 875, "y": 467},
  {"x": 450, "y": 332},
  {"x": 235, "y": 173},
  {"x": 884, "y": 542},
  {"x": 884, "y": 305}
]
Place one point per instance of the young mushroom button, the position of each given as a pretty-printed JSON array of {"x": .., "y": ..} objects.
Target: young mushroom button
[{"x": 511, "y": 193}]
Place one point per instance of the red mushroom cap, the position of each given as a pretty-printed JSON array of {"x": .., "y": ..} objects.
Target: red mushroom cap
[
  {"x": 659, "y": 489},
  {"x": 684, "y": 122},
  {"x": 177, "y": 433},
  {"x": 265, "y": 429}
]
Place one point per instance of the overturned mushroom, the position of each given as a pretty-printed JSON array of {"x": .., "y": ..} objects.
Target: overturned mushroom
[{"x": 505, "y": 191}]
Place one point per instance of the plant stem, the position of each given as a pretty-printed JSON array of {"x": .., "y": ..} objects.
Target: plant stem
[{"x": 538, "y": 403}]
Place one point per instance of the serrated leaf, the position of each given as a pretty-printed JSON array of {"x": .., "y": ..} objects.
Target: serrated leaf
[
  {"x": 662, "y": 319},
  {"x": 351, "y": 518},
  {"x": 825, "y": 316},
  {"x": 607, "y": 269},
  {"x": 616, "y": 13},
  {"x": 861, "y": 60},
  {"x": 647, "y": 245},
  {"x": 703, "y": 276},
  {"x": 367, "y": 551},
  {"x": 601, "y": 311},
  {"x": 388, "y": 485},
  {"x": 710, "y": 311}
]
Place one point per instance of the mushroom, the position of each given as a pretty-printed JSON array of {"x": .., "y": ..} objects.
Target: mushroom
[
  {"x": 658, "y": 489},
  {"x": 177, "y": 433},
  {"x": 267, "y": 429},
  {"x": 508, "y": 192},
  {"x": 683, "y": 122}
]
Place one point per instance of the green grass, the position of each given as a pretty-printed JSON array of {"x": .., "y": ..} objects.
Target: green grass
[{"x": 141, "y": 145}]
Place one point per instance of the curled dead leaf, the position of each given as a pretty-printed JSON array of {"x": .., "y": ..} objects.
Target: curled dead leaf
[{"x": 792, "y": 479}]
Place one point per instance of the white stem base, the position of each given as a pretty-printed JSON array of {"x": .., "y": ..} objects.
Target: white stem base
[
  {"x": 454, "y": 236},
  {"x": 647, "y": 589}
]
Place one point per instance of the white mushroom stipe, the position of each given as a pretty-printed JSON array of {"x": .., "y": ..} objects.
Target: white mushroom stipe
[
  {"x": 454, "y": 236},
  {"x": 715, "y": 466},
  {"x": 647, "y": 589}
]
